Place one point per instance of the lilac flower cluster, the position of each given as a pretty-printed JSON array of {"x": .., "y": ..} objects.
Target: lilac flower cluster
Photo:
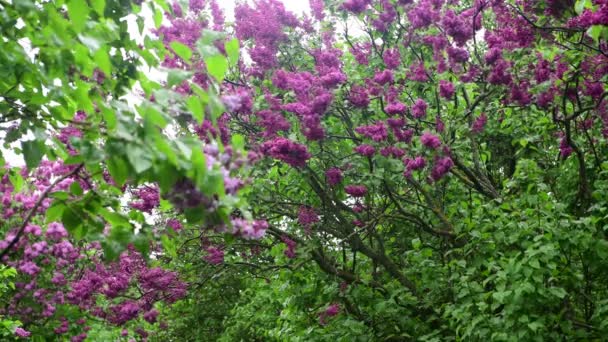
[{"x": 287, "y": 151}]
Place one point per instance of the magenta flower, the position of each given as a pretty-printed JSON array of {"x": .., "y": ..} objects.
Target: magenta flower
[
  {"x": 333, "y": 176},
  {"x": 307, "y": 216},
  {"x": 365, "y": 150},
  {"x": 20, "y": 332},
  {"x": 356, "y": 190},
  {"x": 479, "y": 124},
  {"x": 441, "y": 168},
  {"x": 359, "y": 97},
  {"x": 286, "y": 150},
  {"x": 384, "y": 77},
  {"x": 565, "y": 150},
  {"x": 392, "y": 58},
  {"x": 419, "y": 109},
  {"x": 414, "y": 164},
  {"x": 151, "y": 315},
  {"x": 375, "y": 132},
  {"x": 446, "y": 89},
  {"x": 215, "y": 256},
  {"x": 290, "y": 251},
  {"x": 395, "y": 108},
  {"x": 356, "y": 6},
  {"x": 429, "y": 140}
]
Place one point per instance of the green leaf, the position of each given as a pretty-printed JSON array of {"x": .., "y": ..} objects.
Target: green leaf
[
  {"x": 196, "y": 108},
  {"x": 169, "y": 246},
  {"x": 217, "y": 66},
  {"x": 581, "y": 5},
  {"x": 55, "y": 211},
  {"x": 238, "y": 142},
  {"x": 118, "y": 170},
  {"x": 558, "y": 292},
  {"x": 76, "y": 189},
  {"x": 158, "y": 18},
  {"x": 177, "y": 77},
  {"x": 138, "y": 158},
  {"x": 98, "y": 6},
  {"x": 155, "y": 117},
  {"x": 232, "y": 50},
  {"x": 79, "y": 13},
  {"x": 181, "y": 50},
  {"x": 114, "y": 218},
  {"x": 33, "y": 152},
  {"x": 16, "y": 181},
  {"x": 595, "y": 32},
  {"x": 70, "y": 219},
  {"x": 141, "y": 243},
  {"x": 102, "y": 58}
]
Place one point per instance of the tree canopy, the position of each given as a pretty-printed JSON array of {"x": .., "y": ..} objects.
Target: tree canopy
[{"x": 371, "y": 170}]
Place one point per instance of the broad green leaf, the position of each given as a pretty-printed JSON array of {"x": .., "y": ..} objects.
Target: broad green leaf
[
  {"x": 217, "y": 66},
  {"x": 196, "y": 108},
  {"x": 71, "y": 219},
  {"x": 99, "y": 6},
  {"x": 176, "y": 77},
  {"x": 119, "y": 170},
  {"x": 595, "y": 32},
  {"x": 158, "y": 18},
  {"x": 16, "y": 181},
  {"x": 139, "y": 158},
  {"x": 79, "y": 13},
  {"x": 582, "y": 5},
  {"x": 33, "y": 151},
  {"x": 181, "y": 50},
  {"x": 102, "y": 59},
  {"x": 238, "y": 142},
  {"x": 232, "y": 50},
  {"x": 76, "y": 189},
  {"x": 169, "y": 246}
]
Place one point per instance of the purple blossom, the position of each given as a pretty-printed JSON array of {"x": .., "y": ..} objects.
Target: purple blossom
[
  {"x": 273, "y": 122},
  {"x": 565, "y": 150},
  {"x": 418, "y": 73},
  {"x": 249, "y": 230},
  {"x": 359, "y": 97},
  {"x": 375, "y": 132},
  {"x": 479, "y": 124},
  {"x": 446, "y": 89},
  {"x": 20, "y": 332},
  {"x": 287, "y": 151},
  {"x": 384, "y": 77},
  {"x": 356, "y": 190},
  {"x": 174, "y": 224},
  {"x": 29, "y": 268},
  {"x": 316, "y": 8},
  {"x": 457, "y": 55},
  {"x": 148, "y": 198},
  {"x": 429, "y": 140},
  {"x": 419, "y": 109},
  {"x": 393, "y": 151},
  {"x": 356, "y": 6},
  {"x": 392, "y": 58},
  {"x": 365, "y": 150},
  {"x": 290, "y": 251},
  {"x": 395, "y": 108},
  {"x": 441, "y": 167},
  {"x": 307, "y": 216},
  {"x": 215, "y": 256},
  {"x": 333, "y": 176},
  {"x": 332, "y": 310},
  {"x": 417, "y": 163},
  {"x": 499, "y": 74}
]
